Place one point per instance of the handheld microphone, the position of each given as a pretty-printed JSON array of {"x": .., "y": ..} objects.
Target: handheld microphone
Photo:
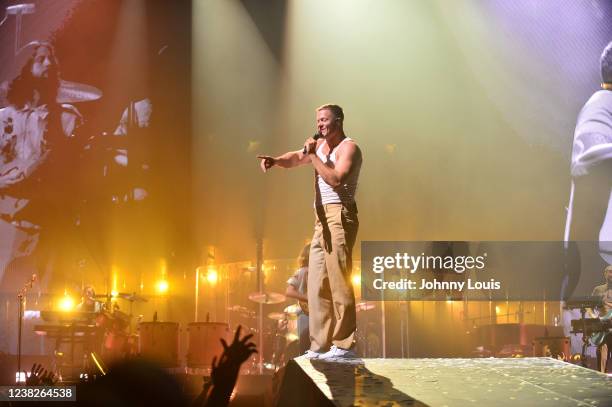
[{"x": 317, "y": 136}]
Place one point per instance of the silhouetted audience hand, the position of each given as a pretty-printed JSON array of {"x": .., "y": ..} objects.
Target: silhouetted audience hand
[
  {"x": 236, "y": 353},
  {"x": 40, "y": 377},
  {"x": 225, "y": 371}
]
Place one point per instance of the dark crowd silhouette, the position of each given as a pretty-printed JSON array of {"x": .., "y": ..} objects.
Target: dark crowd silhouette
[{"x": 140, "y": 382}]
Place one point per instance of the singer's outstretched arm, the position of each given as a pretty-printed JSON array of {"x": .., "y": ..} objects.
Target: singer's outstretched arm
[{"x": 288, "y": 160}]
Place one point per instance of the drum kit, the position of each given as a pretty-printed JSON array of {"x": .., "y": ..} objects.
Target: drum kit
[
  {"x": 159, "y": 341},
  {"x": 100, "y": 327},
  {"x": 106, "y": 335},
  {"x": 118, "y": 339},
  {"x": 108, "y": 331},
  {"x": 279, "y": 340}
]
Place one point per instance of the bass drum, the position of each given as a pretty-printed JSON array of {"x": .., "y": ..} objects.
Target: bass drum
[
  {"x": 159, "y": 342},
  {"x": 205, "y": 343}
]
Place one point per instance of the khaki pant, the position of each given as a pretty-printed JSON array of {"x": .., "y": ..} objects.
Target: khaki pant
[{"x": 331, "y": 299}]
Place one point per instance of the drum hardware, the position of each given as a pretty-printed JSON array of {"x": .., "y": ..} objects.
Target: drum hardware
[
  {"x": 293, "y": 309},
  {"x": 242, "y": 311},
  {"x": 205, "y": 342},
  {"x": 284, "y": 338},
  {"x": 124, "y": 296},
  {"x": 267, "y": 298},
  {"x": 263, "y": 298},
  {"x": 289, "y": 313},
  {"x": 130, "y": 297},
  {"x": 277, "y": 316},
  {"x": 103, "y": 333},
  {"x": 159, "y": 341},
  {"x": 116, "y": 342}
]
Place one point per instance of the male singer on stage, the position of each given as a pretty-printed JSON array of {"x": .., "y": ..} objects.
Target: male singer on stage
[{"x": 336, "y": 160}]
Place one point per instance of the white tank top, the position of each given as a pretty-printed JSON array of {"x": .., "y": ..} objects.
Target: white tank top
[{"x": 345, "y": 193}]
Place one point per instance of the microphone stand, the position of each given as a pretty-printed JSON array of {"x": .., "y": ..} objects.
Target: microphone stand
[{"x": 21, "y": 297}]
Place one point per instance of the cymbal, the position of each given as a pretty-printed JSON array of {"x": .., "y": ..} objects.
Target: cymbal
[
  {"x": 242, "y": 311},
  {"x": 73, "y": 92},
  {"x": 278, "y": 316},
  {"x": 237, "y": 308},
  {"x": 124, "y": 296},
  {"x": 132, "y": 297},
  {"x": 267, "y": 298},
  {"x": 68, "y": 92}
]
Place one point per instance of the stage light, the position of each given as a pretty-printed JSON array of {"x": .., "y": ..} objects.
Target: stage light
[
  {"x": 66, "y": 304},
  {"x": 162, "y": 286},
  {"x": 212, "y": 276},
  {"x": 497, "y": 309},
  {"x": 114, "y": 293},
  {"x": 356, "y": 279},
  {"x": 115, "y": 271}
]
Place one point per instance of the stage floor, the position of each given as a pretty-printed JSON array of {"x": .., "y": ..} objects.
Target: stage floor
[{"x": 451, "y": 382}]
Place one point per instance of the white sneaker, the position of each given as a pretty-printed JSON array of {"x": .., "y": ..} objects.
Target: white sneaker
[
  {"x": 338, "y": 353},
  {"x": 310, "y": 354}
]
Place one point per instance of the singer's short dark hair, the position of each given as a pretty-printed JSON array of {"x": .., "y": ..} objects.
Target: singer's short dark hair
[
  {"x": 335, "y": 109},
  {"x": 606, "y": 64}
]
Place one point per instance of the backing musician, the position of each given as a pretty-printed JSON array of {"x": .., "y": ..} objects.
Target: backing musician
[{"x": 604, "y": 292}]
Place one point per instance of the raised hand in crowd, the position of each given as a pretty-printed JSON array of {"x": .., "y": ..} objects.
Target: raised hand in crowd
[
  {"x": 40, "y": 376},
  {"x": 239, "y": 351},
  {"x": 225, "y": 371}
]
